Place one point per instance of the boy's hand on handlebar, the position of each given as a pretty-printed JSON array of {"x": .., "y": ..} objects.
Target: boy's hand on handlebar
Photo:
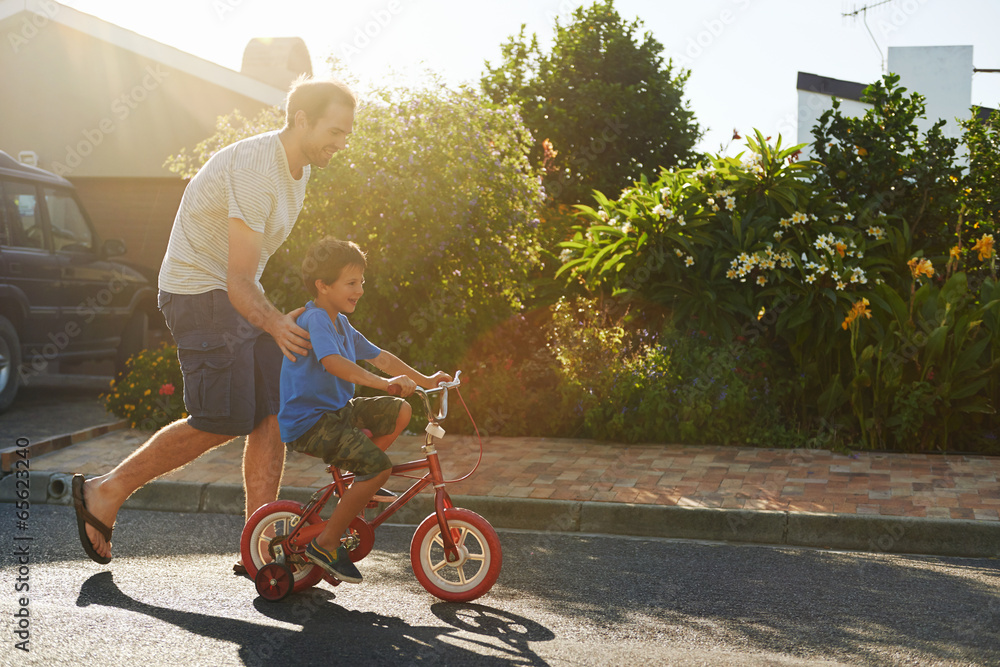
[
  {"x": 406, "y": 385},
  {"x": 434, "y": 380}
]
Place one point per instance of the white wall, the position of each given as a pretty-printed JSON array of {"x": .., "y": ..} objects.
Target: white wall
[
  {"x": 811, "y": 107},
  {"x": 942, "y": 74}
]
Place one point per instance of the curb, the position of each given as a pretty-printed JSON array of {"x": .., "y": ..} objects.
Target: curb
[
  {"x": 8, "y": 455},
  {"x": 848, "y": 532}
]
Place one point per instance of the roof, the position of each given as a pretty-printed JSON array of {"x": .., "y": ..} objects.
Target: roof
[
  {"x": 825, "y": 85},
  {"x": 11, "y": 167},
  {"x": 146, "y": 47}
]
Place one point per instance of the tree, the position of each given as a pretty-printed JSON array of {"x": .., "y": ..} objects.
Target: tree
[{"x": 602, "y": 106}]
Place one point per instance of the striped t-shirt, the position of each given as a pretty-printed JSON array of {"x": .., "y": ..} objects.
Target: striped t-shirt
[{"x": 249, "y": 180}]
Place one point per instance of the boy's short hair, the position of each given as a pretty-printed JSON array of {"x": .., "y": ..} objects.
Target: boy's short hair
[
  {"x": 326, "y": 258},
  {"x": 314, "y": 96}
]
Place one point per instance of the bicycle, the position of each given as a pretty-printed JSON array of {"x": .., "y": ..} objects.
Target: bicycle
[{"x": 455, "y": 553}]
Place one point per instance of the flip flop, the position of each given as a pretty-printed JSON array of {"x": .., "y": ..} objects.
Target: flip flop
[{"x": 83, "y": 517}]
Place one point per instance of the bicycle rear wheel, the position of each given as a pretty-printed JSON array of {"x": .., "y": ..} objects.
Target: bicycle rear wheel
[{"x": 267, "y": 523}]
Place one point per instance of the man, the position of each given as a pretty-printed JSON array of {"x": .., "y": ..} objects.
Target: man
[{"x": 234, "y": 215}]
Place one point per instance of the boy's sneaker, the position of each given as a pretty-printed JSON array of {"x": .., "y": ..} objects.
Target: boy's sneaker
[{"x": 339, "y": 564}]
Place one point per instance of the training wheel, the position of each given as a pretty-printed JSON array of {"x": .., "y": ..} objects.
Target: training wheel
[{"x": 274, "y": 581}]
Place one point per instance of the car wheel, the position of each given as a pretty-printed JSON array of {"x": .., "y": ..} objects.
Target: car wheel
[
  {"x": 133, "y": 340},
  {"x": 10, "y": 363}
]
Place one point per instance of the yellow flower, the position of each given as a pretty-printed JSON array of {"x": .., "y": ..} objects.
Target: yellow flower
[
  {"x": 954, "y": 252},
  {"x": 920, "y": 267},
  {"x": 760, "y": 314},
  {"x": 857, "y": 310},
  {"x": 984, "y": 247},
  {"x": 840, "y": 247}
]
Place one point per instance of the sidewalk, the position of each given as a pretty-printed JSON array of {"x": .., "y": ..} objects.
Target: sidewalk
[{"x": 945, "y": 505}]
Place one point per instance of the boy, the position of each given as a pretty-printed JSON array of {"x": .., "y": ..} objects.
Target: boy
[{"x": 319, "y": 414}]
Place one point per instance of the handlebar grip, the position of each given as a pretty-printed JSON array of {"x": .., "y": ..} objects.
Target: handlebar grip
[{"x": 394, "y": 390}]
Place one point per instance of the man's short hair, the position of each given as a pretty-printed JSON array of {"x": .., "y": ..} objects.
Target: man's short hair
[
  {"x": 314, "y": 96},
  {"x": 325, "y": 260}
]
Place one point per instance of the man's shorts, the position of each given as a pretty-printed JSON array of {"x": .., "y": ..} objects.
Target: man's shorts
[
  {"x": 232, "y": 369},
  {"x": 338, "y": 440}
]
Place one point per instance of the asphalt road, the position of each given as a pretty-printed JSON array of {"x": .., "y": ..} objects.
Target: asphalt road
[{"x": 168, "y": 598}]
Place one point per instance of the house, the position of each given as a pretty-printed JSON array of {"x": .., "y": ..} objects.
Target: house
[
  {"x": 105, "y": 107},
  {"x": 942, "y": 74}
]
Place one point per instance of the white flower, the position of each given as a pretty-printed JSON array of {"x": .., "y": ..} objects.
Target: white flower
[
  {"x": 680, "y": 220},
  {"x": 848, "y": 216},
  {"x": 777, "y": 235},
  {"x": 565, "y": 255},
  {"x": 659, "y": 211},
  {"x": 730, "y": 203},
  {"x": 810, "y": 279},
  {"x": 689, "y": 261},
  {"x": 603, "y": 215}
]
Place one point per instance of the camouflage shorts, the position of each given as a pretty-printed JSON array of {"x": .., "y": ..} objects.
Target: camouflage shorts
[{"x": 338, "y": 440}]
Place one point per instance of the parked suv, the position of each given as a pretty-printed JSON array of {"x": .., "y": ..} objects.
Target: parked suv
[{"x": 61, "y": 297}]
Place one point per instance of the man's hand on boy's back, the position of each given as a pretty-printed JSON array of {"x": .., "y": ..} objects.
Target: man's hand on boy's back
[{"x": 290, "y": 337}]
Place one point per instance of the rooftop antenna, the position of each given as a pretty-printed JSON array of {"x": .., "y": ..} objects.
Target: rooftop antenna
[{"x": 863, "y": 11}]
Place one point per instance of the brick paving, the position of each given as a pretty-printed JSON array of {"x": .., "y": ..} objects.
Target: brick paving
[{"x": 921, "y": 485}]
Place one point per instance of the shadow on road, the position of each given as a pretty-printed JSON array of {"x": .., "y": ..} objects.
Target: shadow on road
[
  {"x": 330, "y": 633},
  {"x": 852, "y": 606}
]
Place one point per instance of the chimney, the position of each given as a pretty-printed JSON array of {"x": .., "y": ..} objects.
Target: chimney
[{"x": 276, "y": 61}]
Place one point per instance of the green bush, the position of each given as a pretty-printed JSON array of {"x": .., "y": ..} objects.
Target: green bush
[
  {"x": 150, "y": 394},
  {"x": 688, "y": 388},
  {"x": 887, "y": 316}
]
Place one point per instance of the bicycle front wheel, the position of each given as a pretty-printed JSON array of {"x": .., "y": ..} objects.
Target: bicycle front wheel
[{"x": 479, "y": 562}]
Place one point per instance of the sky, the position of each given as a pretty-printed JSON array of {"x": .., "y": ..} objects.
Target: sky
[{"x": 744, "y": 55}]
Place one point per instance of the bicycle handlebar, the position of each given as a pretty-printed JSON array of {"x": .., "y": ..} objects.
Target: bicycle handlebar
[{"x": 394, "y": 390}]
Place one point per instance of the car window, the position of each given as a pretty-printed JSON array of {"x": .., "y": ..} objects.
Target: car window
[
  {"x": 24, "y": 221},
  {"x": 70, "y": 231}
]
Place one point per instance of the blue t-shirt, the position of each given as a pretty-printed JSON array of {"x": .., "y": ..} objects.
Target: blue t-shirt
[{"x": 308, "y": 390}]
